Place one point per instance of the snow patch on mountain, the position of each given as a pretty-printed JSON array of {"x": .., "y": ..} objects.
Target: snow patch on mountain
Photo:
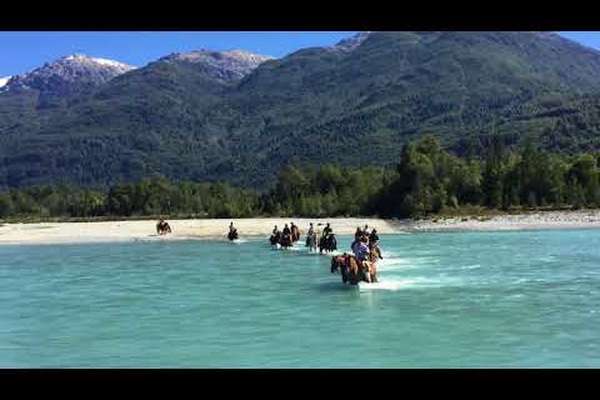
[
  {"x": 224, "y": 66},
  {"x": 4, "y": 81},
  {"x": 69, "y": 74},
  {"x": 352, "y": 42},
  {"x": 98, "y": 62}
]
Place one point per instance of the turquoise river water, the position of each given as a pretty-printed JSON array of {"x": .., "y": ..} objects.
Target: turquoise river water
[{"x": 493, "y": 299}]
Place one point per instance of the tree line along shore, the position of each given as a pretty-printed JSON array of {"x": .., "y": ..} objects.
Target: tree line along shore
[{"x": 427, "y": 181}]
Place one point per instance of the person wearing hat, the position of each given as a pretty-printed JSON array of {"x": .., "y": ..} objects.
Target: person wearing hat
[
  {"x": 327, "y": 230},
  {"x": 358, "y": 233},
  {"x": 233, "y": 234},
  {"x": 311, "y": 230},
  {"x": 373, "y": 237}
]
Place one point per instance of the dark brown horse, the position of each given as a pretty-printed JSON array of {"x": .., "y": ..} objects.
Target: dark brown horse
[
  {"x": 328, "y": 243},
  {"x": 311, "y": 241},
  {"x": 286, "y": 240},
  {"x": 275, "y": 238},
  {"x": 163, "y": 227}
]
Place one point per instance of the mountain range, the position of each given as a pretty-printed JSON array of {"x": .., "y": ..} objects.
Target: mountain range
[{"x": 239, "y": 117}]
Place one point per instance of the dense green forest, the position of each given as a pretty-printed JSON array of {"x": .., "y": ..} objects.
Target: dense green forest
[
  {"x": 353, "y": 107},
  {"x": 427, "y": 180}
]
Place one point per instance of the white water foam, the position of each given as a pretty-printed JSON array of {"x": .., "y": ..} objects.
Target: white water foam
[
  {"x": 389, "y": 283},
  {"x": 395, "y": 284},
  {"x": 297, "y": 248},
  {"x": 473, "y": 266}
]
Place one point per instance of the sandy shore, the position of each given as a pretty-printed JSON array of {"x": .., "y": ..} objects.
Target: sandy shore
[
  {"x": 113, "y": 231},
  {"x": 82, "y": 232}
]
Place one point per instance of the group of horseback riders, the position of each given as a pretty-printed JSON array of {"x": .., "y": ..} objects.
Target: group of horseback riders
[
  {"x": 359, "y": 266},
  {"x": 291, "y": 234},
  {"x": 362, "y": 264},
  {"x": 285, "y": 238}
]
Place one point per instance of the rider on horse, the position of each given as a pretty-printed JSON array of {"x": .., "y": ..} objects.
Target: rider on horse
[
  {"x": 328, "y": 241},
  {"x": 295, "y": 232},
  {"x": 275, "y": 236},
  {"x": 327, "y": 230},
  {"x": 311, "y": 237},
  {"x": 162, "y": 227},
  {"x": 374, "y": 243},
  {"x": 233, "y": 234},
  {"x": 358, "y": 233},
  {"x": 286, "y": 237}
]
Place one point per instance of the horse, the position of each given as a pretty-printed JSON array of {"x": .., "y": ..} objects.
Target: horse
[
  {"x": 372, "y": 265},
  {"x": 341, "y": 263},
  {"x": 328, "y": 243},
  {"x": 286, "y": 240},
  {"x": 295, "y": 233},
  {"x": 275, "y": 238},
  {"x": 352, "y": 270},
  {"x": 311, "y": 241},
  {"x": 374, "y": 249},
  {"x": 163, "y": 227}
]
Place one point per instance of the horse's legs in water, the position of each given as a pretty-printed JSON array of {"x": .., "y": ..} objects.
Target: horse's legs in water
[
  {"x": 344, "y": 274},
  {"x": 374, "y": 273},
  {"x": 366, "y": 271},
  {"x": 334, "y": 265}
]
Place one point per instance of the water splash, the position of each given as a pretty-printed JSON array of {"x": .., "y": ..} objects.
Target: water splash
[{"x": 388, "y": 284}]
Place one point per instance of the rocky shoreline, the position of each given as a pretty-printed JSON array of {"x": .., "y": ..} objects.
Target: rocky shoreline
[{"x": 531, "y": 220}]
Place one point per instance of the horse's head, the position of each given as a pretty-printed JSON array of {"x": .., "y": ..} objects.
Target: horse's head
[{"x": 336, "y": 263}]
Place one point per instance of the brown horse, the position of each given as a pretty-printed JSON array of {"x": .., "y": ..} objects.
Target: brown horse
[
  {"x": 372, "y": 265},
  {"x": 337, "y": 262},
  {"x": 351, "y": 269},
  {"x": 374, "y": 249},
  {"x": 295, "y": 233}
]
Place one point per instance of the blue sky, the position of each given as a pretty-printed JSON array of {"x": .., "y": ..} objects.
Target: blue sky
[{"x": 23, "y": 51}]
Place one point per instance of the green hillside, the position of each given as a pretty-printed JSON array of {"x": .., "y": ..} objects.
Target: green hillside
[{"x": 354, "y": 107}]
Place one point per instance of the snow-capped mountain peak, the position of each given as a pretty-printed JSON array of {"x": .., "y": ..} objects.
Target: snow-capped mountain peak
[
  {"x": 68, "y": 75},
  {"x": 224, "y": 66},
  {"x": 83, "y": 59},
  {"x": 4, "y": 81},
  {"x": 352, "y": 42}
]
